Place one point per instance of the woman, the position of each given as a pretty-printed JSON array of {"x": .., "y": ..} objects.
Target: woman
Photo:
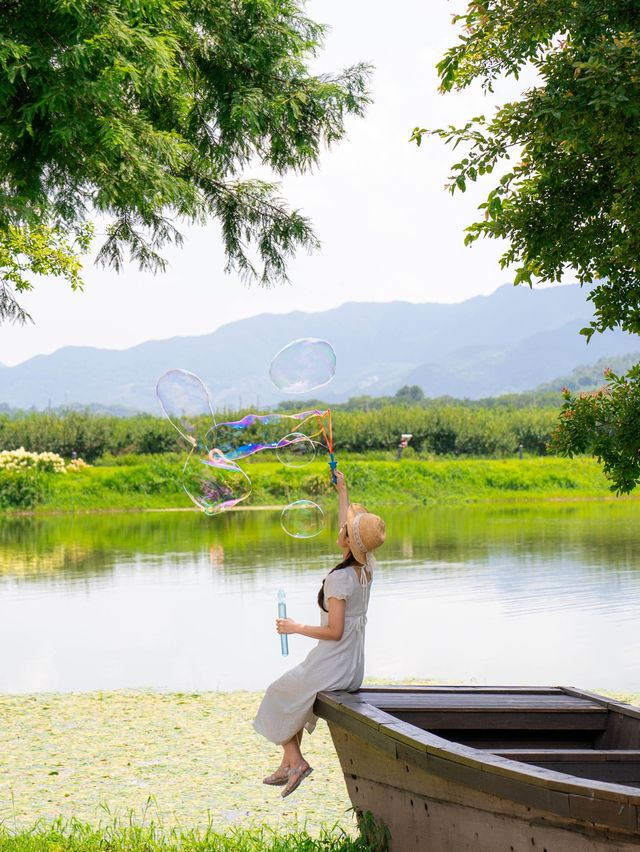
[{"x": 337, "y": 661}]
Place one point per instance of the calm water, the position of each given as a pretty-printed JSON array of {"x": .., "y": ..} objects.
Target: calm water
[{"x": 183, "y": 602}]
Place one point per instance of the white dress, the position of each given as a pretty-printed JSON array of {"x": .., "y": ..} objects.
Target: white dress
[{"x": 287, "y": 706}]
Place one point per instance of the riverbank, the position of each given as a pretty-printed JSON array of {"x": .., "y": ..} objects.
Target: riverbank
[
  {"x": 179, "y": 761},
  {"x": 154, "y": 482}
]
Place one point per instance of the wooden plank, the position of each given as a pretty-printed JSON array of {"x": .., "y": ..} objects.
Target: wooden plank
[
  {"x": 622, "y": 731},
  {"x": 600, "y": 812},
  {"x": 589, "y": 755},
  {"x": 455, "y": 689},
  {"x": 488, "y": 720},
  {"x": 624, "y": 774},
  {"x": 354, "y": 726},
  {"x": 614, "y": 767},
  {"x": 495, "y": 741},
  {"x": 532, "y": 703},
  {"x": 611, "y": 704},
  {"x": 357, "y": 708}
]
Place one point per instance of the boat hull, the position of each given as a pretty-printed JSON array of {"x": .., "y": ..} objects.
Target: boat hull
[{"x": 432, "y": 801}]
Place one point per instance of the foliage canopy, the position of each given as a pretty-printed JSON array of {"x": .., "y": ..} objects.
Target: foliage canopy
[
  {"x": 568, "y": 199},
  {"x": 147, "y": 114}
]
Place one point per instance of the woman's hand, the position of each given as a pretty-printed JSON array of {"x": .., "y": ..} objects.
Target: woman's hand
[
  {"x": 286, "y": 625},
  {"x": 340, "y": 484}
]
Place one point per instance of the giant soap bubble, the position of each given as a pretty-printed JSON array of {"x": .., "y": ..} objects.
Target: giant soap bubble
[
  {"x": 303, "y": 365},
  {"x": 213, "y": 482},
  {"x": 254, "y": 433},
  {"x": 296, "y": 450},
  {"x": 185, "y": 401},
  {"x": 211, "y": 475},
  {"x": 302, "y": 519}
]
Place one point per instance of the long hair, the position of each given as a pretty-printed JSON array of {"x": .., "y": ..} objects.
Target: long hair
[{"x": 346, "y": 562}]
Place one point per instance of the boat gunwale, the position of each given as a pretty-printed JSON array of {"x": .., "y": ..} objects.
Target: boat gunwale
[{"x": 368, "y": 715}]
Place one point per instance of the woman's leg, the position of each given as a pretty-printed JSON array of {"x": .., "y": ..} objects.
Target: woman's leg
[
  {"x": 298, "y": 766},
  {"x": 289, "y": 758},
  {"x": 292, "y": 755}
]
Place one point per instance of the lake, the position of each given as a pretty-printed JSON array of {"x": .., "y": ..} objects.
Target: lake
[{"x": 178, "y": 601}]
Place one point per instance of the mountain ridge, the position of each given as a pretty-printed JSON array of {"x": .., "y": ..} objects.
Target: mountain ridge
[{"x": 509, "y": 341}]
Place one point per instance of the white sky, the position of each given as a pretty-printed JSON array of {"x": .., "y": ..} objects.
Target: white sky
[{"x": 389, "y": 230}]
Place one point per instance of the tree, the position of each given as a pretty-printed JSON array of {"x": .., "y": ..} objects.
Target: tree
[
  {"x": 570, "y": 200},
  {"x": 605, "y": 423},
  {"x": 148, "y": 113},
  {"x": 410, "y": 393}
]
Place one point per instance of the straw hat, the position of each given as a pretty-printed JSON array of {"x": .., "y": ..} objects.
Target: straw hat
[{"x": 366, "y": 531}]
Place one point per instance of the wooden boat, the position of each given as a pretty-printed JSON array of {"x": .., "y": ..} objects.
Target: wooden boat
[{"x": 491, "y": 769}]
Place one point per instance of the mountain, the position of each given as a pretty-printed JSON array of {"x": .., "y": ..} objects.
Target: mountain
[
  {"x": 510, "y": 341},
  {"x": 587, "y": 378}
]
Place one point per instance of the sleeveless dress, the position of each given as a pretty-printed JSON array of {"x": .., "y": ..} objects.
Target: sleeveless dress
[{"x": 287, "y": 706}]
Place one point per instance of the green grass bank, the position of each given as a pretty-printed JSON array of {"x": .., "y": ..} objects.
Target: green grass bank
[
  {"x": 154, "y": 482},
  {"x": 75, "y": 836}
]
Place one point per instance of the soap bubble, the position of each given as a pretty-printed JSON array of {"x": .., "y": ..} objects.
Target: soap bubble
[
  {"x": 211, "y": 476},
  {"x": 185, "y": 400},
  {"x": 302, "y": 519},
  {"x": 213, "y": 482},
  {"x": 296, "y": 450},
  {"x": 303, "y": 365},
  {"x": 238, "y": 439}
]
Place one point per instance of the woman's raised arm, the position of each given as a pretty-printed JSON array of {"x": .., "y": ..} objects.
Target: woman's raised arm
[{"x": 343, "y": 497}]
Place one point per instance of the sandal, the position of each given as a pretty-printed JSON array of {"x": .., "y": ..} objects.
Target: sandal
[
  {"x": 296, "y": 777},
  {"x": 277, "y": 778}
]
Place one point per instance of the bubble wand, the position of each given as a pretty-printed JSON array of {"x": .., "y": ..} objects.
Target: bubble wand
[
  {"x": 333, "y": 464},
  {"x": 282, "y": 613}
]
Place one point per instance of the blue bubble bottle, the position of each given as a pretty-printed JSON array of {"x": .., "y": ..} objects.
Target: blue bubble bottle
[{"x": 282, "y": 613}]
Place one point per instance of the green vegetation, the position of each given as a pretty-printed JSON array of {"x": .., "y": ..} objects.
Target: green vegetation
[
  {"x": 569, "y": 143},
  {"x": 144, "y": 482},
  {"x": 75, "y": 836},
  {"x": 605, "y": 423},
  {"x": 444, "y": 429},
  {"x": 147, "y": 114},
  {"x": 568, "y": 157},
  {"x": 458, "y": 453}
]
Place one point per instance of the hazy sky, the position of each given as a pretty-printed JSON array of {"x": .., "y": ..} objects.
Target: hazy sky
[{"x": 388, "y": 228}]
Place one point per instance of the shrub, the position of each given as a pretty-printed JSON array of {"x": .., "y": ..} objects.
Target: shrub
[
  {"x": 20, "y": 459},
  {"x": 22, "y": 489},
  {"x": 452, "y": 429}
]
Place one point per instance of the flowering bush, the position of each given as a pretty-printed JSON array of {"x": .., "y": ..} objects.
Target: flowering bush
[
  {"x": 21, "y": 460},
  {"x": 77, "y": 464}
]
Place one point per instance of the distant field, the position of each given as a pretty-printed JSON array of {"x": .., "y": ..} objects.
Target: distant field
[{"x": 153, "y": 482}]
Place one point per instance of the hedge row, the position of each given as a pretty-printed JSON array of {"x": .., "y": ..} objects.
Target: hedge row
[{"x": 450, "y": 430}]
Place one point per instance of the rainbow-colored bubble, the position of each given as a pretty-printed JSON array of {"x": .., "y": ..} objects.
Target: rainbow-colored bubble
[{"x": 211, "y": 475}]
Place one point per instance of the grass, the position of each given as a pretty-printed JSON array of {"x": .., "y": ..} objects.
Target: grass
[
  {"x": 153, "y": 482},
  {"x": 77, "y": 836}
]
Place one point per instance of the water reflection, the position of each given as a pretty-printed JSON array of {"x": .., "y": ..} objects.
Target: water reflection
[{"x": 181, "y": 601}]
